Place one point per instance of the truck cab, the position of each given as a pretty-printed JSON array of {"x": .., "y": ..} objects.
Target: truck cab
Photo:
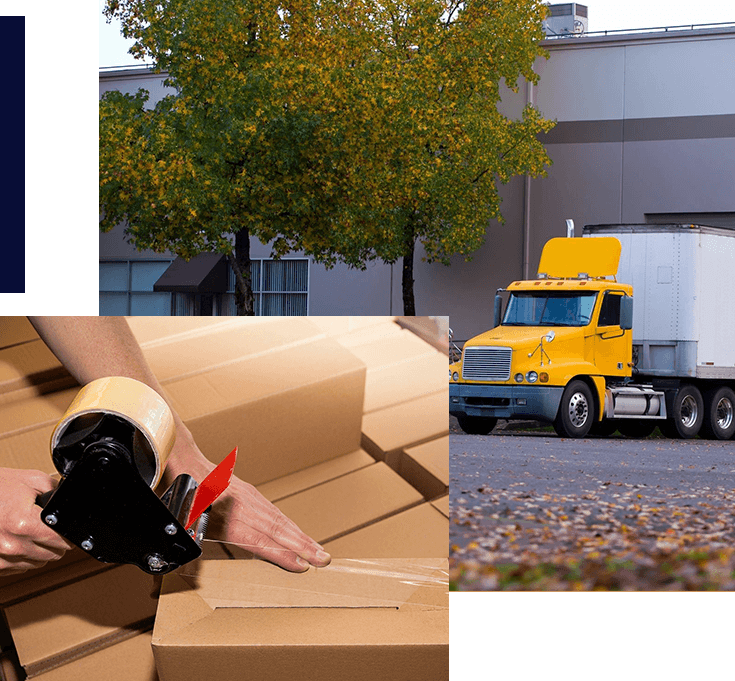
[{"x": 561, "y": 340}]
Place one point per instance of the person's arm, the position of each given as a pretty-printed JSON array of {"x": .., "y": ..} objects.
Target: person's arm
[{"x": 94, "y": 347}]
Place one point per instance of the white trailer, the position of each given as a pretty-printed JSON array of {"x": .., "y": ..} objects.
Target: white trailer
[{"x": 683, "y": 277}]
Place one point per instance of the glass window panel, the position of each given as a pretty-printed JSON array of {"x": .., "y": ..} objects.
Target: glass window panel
[
  {"x": 113, "y": 304},
  {"x": 145, "y": 274},
  {"x": 113, "y": 276},
  {"x": 150, "y": 304}
]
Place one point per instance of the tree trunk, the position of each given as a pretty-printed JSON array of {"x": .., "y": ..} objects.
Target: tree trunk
[
  {"x": 409, "y": 308},
  {"x": 240, "y": 264}
]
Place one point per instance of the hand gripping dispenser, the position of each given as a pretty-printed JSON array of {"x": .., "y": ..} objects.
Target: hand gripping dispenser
[{"x": 111, "y": 447}]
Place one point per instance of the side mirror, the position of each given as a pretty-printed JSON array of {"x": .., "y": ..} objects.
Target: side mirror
[
  {"x": 498, "y": 310},
  {"x": 626, "y": 313}
]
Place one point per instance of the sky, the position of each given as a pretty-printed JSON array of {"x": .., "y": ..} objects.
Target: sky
[{"x": 604, "y": 15}]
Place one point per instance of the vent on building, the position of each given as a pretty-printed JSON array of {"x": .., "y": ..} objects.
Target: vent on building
[{"x": 566, "y": 20}]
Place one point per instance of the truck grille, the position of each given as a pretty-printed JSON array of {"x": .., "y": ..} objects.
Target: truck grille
[{"x": 486, "y": 364}]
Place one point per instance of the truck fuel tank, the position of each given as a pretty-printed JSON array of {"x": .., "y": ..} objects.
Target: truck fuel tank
[{"x": 638, "y": 401}]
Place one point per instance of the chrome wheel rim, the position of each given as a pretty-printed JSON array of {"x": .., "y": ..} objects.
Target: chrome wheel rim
[
  {"x": 689, "y": 411},
  {"x": 578, "y": 410},
  {"x": 725, "y": 413}
]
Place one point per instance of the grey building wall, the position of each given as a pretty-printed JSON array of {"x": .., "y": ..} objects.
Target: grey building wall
[{"x": 645, "y": 130}]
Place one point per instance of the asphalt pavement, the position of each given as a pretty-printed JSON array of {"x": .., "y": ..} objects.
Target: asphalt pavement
[{"x": 564, "y": 495}]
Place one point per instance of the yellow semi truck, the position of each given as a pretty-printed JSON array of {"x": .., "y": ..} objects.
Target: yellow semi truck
[{"x": 568, "y": 347}]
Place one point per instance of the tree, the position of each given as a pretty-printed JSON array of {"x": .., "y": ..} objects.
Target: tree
[
  {"x": 444, "y": 145},
  {"x": 349, "y": 130}
]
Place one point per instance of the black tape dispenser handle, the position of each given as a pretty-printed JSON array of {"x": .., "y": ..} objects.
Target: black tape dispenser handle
[{"x": 43, "y": 499}]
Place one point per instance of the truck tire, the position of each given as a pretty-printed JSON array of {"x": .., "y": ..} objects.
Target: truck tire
[
  {"x": 719, "y": 414},
  {"x": 687, "y": 414},
  {"x": 576, "y": 411},
  {"x": 476, "y": 425}
]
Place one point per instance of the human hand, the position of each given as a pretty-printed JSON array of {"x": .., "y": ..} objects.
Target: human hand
[
  {"x": 25, "y": 541},
  {"x": 243, "y": 516}
]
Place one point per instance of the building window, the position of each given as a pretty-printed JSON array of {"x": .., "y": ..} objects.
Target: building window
[
  {"x": 280, "y": 287},
  {"x": 126, "y": 288}
]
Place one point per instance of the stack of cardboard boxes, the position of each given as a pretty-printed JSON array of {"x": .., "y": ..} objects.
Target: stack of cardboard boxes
[{"x": 341, "y": 422}]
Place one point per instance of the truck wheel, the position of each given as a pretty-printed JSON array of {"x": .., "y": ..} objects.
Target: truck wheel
[
  {"x": 719, "y": 414},
  {"x": 687, "y": 414},
  {"x": 476, "y": 425},
  {"x": 575, "y": 416}
]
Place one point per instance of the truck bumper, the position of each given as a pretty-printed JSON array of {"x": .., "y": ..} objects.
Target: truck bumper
[{"x": 505, "y": 401}]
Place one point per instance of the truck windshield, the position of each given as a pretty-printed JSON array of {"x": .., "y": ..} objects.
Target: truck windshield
[{"x": 544, "y": 308}]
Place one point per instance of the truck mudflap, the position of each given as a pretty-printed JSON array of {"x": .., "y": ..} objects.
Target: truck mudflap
[{"x": 505, "y": 401}]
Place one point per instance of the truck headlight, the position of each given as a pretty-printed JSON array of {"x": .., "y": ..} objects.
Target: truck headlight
[
  {"x": 519, "y": 378},
  {"x": 532, "y": 377},
  {"x": 455, "y": 376}
]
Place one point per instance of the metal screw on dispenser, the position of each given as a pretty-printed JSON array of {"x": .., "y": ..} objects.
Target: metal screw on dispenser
[
  {"x": 51, "y": 519},
  {"x": 155, "y": 562},
  {"x": 170, "y": 529},
  {"x": 87, "y": 544}
]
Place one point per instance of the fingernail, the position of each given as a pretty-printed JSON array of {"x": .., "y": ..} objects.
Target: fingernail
[
  {"x": 302, "y": 563},
  {"x": 323, "y": 557}
]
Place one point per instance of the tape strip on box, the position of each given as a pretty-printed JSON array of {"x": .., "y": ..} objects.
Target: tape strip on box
[{"x": 345, "y": 583}]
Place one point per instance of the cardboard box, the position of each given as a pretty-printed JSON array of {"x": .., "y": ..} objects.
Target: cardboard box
[
  {"x": 397, "y": 347},
  {"x": 151, "y": 329},
  {"x": 426, "y": 467},
  {"x": 14, "y": 330},
  {"x": 387, "y": 431},
  {"x": 315, "y": 475},
  {"x": 188, "y": 354},
  {"x": 71, "y": 567},
  {"x": 442, "y": 505},
  {"x": 25, "y": 430},
  {"x": 56, "y": 626},
  {"x": 434, "y": 330},
  {"x": 403, "y": 382},
  {"x": 345, "y": 325},
  {"x": 419, "y": 532},
  {"x": 334, "y": 508},
  {"x": 354, "y": 620},
  {"x": 295, "y": 408},
  {"x": 129, "y": 660},
  {"x": 29, "y": 365}
]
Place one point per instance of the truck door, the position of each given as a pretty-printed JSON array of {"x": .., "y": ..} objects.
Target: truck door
[{"x": 613, "y": 348}]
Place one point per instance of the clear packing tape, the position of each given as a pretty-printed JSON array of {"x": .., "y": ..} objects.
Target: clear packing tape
[{"x": 246, "y": 582}]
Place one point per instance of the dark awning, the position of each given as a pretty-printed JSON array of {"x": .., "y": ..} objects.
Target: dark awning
[{"x": 204, "y": 273}]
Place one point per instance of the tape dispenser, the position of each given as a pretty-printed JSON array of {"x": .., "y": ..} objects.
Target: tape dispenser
[{"x": 111, "y": 448}]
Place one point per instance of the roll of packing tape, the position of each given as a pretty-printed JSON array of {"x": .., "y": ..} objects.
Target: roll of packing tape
[{"x": 134, "y": 402}]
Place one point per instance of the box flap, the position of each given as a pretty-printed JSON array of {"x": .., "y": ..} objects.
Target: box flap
[
  {"x": 442, "y": 505},
  {"x": 345, "y": 583},
  {"x": 14, "y": 330},
  {"x": 198, "y": 601}
]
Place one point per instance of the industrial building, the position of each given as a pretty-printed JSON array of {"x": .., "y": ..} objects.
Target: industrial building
[{"x": 645, "y": 133}]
